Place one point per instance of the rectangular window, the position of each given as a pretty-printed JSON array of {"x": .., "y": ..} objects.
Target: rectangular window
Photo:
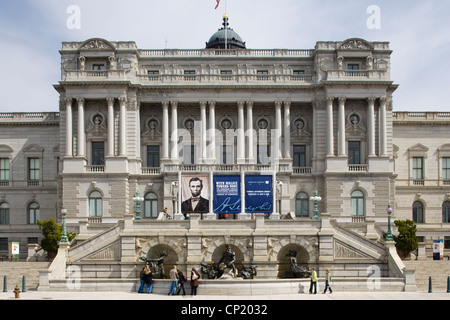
[
  {"x": 446, "y": 168},
  {"x": 299, "y": 156},
  {"x": 153, "y": 75},
  {"x": 298, "y": 75},
  {"x": 354, "y": 152},
  {"x": 227, "y": 154},
  {"x": 262, "y": 75},
  {"x": 226, "y": 75},
  {"x": 189, "y": 154},
  {"x": 152, "y": 156},
  {"x": 263, "y": 154},
  {"x": 189, "y": 75},
  {"x": 446, "y": 242},
  {"x": 33, "y": 169},
  {"x": 4, "y": 244},
  {"x": 98, "y": 67},
  {"x": 4, "y": 214},
  {"x": 98, "y": 153},
  {"x": 417, "y": 168},
  {"x": 352, "y": 66},
  {"x": 4, "y": 169}
]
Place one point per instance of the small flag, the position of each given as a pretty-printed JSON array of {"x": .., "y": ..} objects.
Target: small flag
[{"x": 218, "y": 1}]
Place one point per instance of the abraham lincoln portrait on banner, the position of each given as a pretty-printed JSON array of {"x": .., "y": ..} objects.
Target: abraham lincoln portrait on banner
[{"x": 196, "y": 193}]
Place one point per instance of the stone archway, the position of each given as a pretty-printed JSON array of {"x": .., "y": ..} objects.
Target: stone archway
[{"x": 284, "y": 263}]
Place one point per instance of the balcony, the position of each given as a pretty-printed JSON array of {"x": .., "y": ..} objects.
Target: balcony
[
  {"x": 358, "y": 75},
  {"x": 95, "y": 75}
]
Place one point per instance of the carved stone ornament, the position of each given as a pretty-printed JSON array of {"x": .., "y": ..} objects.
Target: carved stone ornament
[
  {"x": 96, "y": 44},
  {"x": 355, "y": 44}
]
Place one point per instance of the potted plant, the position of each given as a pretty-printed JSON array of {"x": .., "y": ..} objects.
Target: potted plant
[
  {"x": 406, "y": 241},
  {"x": 52, "y": 233}
]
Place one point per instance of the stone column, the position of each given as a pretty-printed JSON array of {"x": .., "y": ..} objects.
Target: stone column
[
  {"x": 240, "y": 134},
  {"x": 330, "y": 142},
  {"x": 383, "y": 134},
  {"x": 212, "y": 131},
  {"x": 165, "y": 130},
  {"x": 69, "y": 138},
  {"x": 203, "y": 130},
  {"x": 251, "y": 156},
  {"x": 81, "y": 136},
  {"x": 371, "y": 126},
  {"x": 287, "y": 130},
  {"x": 123, "y": 127},
  {"x": 277, "y": 140},
  {"x": 110, "y": 102},
  {"x": 174, "y": 133},
  {"x": 341, "y": 127}
]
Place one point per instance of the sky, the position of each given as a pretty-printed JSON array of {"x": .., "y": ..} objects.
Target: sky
[{"x": 31, "y": 33}]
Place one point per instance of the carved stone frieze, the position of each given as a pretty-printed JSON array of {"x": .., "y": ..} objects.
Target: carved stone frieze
[{"x": 342, "y": 251}]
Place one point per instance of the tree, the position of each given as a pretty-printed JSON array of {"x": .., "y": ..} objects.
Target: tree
[
  {"x": 406, "y": 241},
  {"x": 52, "y": 233}
]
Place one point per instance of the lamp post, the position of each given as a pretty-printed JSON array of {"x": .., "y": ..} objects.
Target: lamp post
[
  {"x": 64, "y": 237},
  {"x": 138, "y": 199},
  {"x": 389, "y": 236},
  {"x": 315, "y": 200}
]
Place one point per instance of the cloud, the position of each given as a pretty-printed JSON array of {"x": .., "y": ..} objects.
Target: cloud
[{"x": 31, "y": 35}]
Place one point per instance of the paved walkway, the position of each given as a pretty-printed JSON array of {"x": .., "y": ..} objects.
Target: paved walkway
[{"x": 39, "y": 295}]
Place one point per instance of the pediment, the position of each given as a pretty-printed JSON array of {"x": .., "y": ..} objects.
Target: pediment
[
  {"x": 5, "y": 149},
  {"x": 355, "y": 44},
  {"x": 97, "y": 44},
  {"x": 33, "y": 149},
  {"x": 418, "y": 147}
]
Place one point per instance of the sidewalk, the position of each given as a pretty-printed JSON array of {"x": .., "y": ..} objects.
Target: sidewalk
[{"x": 39, "y": 295}]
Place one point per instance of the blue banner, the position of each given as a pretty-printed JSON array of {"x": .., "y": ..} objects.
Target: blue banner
[
  {"x": 258, "y": 194},
  {"x": 227, "y": 194}
]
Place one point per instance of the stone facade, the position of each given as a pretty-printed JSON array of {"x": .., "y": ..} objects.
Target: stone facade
[{"x": 134, "y": 120}]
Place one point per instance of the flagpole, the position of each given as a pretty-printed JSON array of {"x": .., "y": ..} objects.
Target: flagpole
[{"x": 226, "y": 26}]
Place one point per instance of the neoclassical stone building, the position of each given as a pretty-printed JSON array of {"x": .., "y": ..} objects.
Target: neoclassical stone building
[{"x": 135, "y": 126}]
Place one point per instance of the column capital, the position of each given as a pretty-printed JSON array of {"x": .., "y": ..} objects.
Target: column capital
[
  {"x": 278, "y": 104},
  {"x": 371, "y": 99},
  {"x": 342, "y": 100},
  {"x": 123, "y": 100},
  {"x": 249, "y": 104},
  {"x": 330, "y": 100},
  {"x": 174, "y": 104},
  {"x": 287, "y": 104},
  {"x": 383, "y": 100},
  {"x": 202, "y": 104},
  {"x": 165, "y": 104},
  {"x": 81, "y": 100},
  {"x": 68, "y": 101},
  {"x": 212, "y": 104},
  {"x": 110, "y": 100},
  {"x": 240, "y": 104}
]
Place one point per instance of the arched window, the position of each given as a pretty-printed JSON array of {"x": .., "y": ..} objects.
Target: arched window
[
  {"x": 4, "y": 213},
  {"x": 418, "y": 216},
  {"x": 33, "y": 212},
  {"x": 446, "y": 212},
  {"x": 95, "y": 204},
  {"x": 301, "y": 205},
  {"x": 357, "y": 204},
  {"x": 150, "y": 205}
]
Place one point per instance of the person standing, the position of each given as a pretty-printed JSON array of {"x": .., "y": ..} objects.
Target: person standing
[
  {"x": 313, "y": 281},
  {"x": 194, "y": 281},
  {"x": 327, "y": 281},
  {"x": 174, "y": 280},
  {"x": 181, "y": 280},
  {"x": 141, "y": 278},
  {"x": 148, "y": 279}
]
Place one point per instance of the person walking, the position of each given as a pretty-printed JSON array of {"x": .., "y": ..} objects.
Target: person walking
[
  {"x": 313, "y": 281},
  {"x": 327, "y": 281},
  {"x": 181, "y": 280},
  {"x": 194, "y": 281},
  {"x": 148, "y": 279},
  {"x": 174, "y": 280}
]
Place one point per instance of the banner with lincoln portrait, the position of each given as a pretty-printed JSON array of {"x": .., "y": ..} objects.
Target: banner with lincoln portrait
[{"x": 195, "y": 194}]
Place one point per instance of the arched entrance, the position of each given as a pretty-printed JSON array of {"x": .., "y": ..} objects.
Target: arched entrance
[{"x": 168, "y": 254}]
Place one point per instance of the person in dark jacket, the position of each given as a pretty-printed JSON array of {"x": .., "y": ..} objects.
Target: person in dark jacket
[
  {"x": 181, "y": 280},
  {"x": 148, "y": 279}
]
